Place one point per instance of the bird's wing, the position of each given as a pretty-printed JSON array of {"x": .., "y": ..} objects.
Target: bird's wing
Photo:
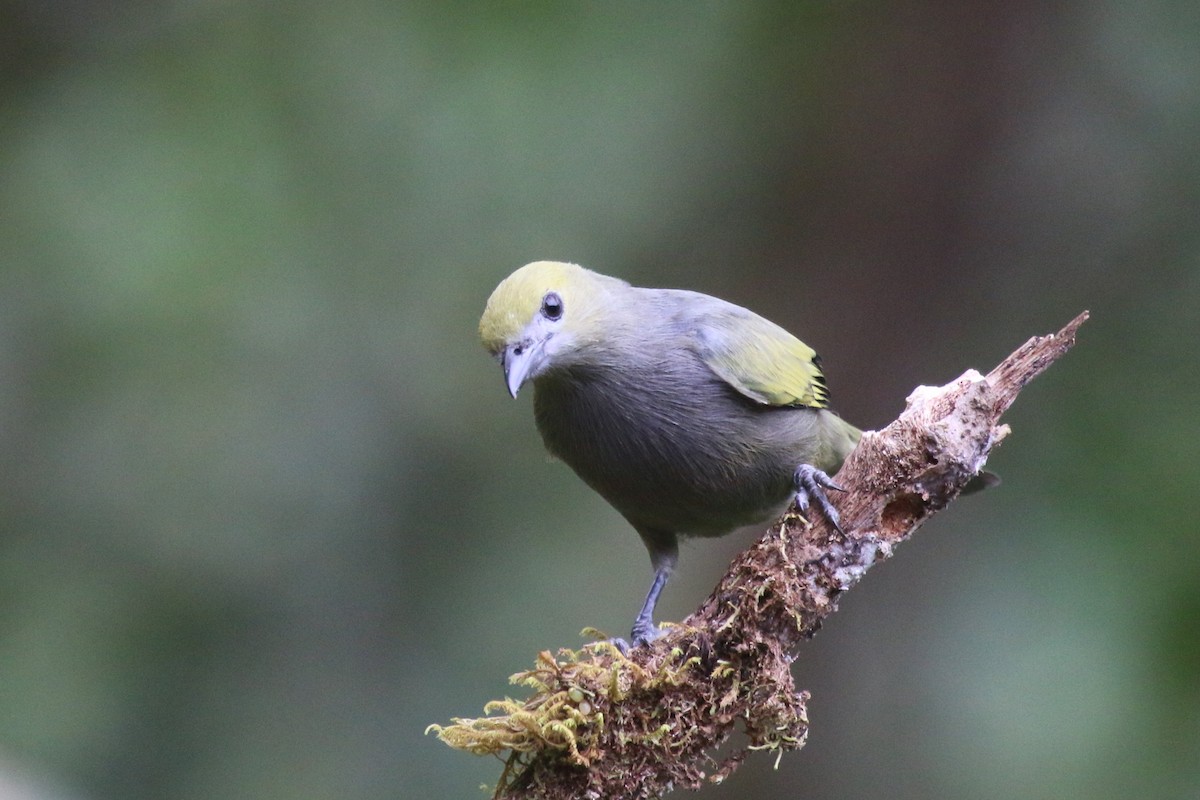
[{"x": 760, "y": 359}]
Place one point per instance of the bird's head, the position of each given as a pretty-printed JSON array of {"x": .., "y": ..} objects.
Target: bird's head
[{"x": 543, "y": 316}]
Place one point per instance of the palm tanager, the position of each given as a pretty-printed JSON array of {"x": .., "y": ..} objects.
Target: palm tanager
[{"x": 690, "y": 415}]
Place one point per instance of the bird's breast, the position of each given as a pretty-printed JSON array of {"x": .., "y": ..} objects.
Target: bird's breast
[{"x": 671, "y": 451}]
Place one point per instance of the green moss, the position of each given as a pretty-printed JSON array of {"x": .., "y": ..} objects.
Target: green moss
[{"x": 601, "y": 712}]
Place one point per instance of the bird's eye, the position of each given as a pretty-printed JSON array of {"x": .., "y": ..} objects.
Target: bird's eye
[{"x": 552, "y": 306}]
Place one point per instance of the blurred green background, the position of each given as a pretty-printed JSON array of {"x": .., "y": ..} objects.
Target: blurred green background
[{"x": 267, "y": 510}]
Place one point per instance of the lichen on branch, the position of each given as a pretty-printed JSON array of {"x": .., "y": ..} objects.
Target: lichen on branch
[{"x": 602, "y": 724}]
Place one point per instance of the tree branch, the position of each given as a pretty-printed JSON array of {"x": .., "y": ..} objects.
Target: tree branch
[{"x": 600, "y": 724}]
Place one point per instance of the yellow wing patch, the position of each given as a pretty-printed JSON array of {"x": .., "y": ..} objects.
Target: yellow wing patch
[{"x": 762, "y": 360}]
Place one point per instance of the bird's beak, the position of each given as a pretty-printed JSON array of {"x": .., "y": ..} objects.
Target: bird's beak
[{"x": 522, "y": 361}]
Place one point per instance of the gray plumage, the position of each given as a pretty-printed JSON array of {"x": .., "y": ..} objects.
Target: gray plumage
[{"x": 691, "y": 416}]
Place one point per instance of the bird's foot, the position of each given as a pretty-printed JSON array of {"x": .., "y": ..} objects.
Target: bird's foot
[
  {"x": 811, "y": 484},
  {"x": 645, "y": 631},
  {"x": 618, "y": 642},
  {"x": 640, "y": 638}
]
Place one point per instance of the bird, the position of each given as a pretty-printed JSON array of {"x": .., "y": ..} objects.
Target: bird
[{"x": 690, "y": 415}]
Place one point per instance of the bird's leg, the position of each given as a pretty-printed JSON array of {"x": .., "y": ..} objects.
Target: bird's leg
[
  {"x": 644, "y": 630},
  {"x": 664, "y": 552},
  {"x": 811, "y": 484}
]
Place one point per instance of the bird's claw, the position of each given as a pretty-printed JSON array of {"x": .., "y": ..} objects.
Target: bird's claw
[
  {"x": 639, "y": 636},
  {"x": 811, "y": 484},
  {"x": 644, "y": 632},
  {"x": 620, "y": 644}
]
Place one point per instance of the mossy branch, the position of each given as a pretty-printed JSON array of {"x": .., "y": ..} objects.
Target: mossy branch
[{"x": 600, "y": 724}]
